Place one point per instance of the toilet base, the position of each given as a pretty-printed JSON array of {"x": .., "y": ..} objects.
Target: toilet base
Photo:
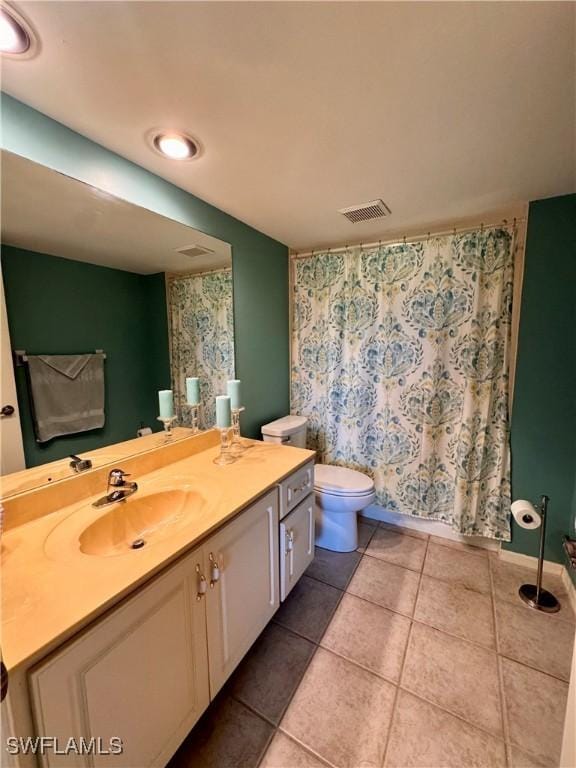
[{"x": 337, "y": 531}]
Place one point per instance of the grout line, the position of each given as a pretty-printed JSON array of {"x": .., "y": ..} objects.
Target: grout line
[
  {"x": 397, "y": 691},
  {"x": 456, "y": 715},
  {"x": 307, "y": 748},
  {"x": 501, "y": 692}
]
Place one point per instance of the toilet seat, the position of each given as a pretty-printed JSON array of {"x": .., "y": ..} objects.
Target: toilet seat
[{"x": 341, "y": 481}]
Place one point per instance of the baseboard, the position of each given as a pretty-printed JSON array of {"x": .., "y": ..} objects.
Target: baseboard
[
  {"x": 433, "y": 527},
  {"x": 570, "y": 588},
  {"x": 527, "y": 561}
]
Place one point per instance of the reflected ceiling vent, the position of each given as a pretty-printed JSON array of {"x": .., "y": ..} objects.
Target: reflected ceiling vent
[
  {"x": 194, "y": 250},
  {"x": 375, "y": 209}
]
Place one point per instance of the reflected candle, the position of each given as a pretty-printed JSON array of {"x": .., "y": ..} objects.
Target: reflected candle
[
  {"x": 166, "y": 402},
  {"x": 193, "y": 391},
  {"x": 223, "y": 413},
  {"x": 235, "y": 393}
]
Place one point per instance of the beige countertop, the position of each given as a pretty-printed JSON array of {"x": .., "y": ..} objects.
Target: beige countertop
[{"x": 50, "y": 589}]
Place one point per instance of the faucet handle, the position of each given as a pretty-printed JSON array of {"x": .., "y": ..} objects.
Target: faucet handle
[{"x": 116, "y": 477}]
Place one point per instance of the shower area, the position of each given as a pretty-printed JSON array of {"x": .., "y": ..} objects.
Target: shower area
[
  {"x": 401, "y": 359},
  {"x": 201, "y": 329}
]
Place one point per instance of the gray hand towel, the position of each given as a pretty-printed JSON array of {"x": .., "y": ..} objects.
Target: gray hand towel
[{"x": 67, "y": 393}]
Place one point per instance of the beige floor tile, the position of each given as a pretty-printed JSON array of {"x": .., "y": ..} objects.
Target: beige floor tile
[
  {"x": 535, "y": 707},
  {"x": 461, "y": 545},
  {"x": 405, "y": 531},
  {"x": 341, "y": 712},
  {"x": 423, "y": 736},
  {"x": 456, "y": 675},
  {"x": 397, "y": 548},
  {"x": 458, "y": 567},
  {"x": 366, "y": 530},
  {"x": 385, "y": 584},
  {"x": 508, "y": 578},
  {"x": 535, "y": 639},
  {"x": 369, "y": 635},
  {"x": 283, "y": 752},
  {"x": 456, "y": 609},
  {"x": 519, "y": 759}
]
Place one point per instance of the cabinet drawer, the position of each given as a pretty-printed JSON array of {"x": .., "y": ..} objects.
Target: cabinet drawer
[
  {"x": 296, "y": 487},
  {"x": 296, "y": 544}
]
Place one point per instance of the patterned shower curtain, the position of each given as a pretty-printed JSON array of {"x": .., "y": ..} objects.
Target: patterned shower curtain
[
  {"x": 201, "y": 339},
  {"x": 400, "y": 362}
]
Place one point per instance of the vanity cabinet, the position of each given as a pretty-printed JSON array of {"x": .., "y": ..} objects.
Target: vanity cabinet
[
  {"x": 296, "y": 544},
  {"x": 139, "y": 674},
  {"x": 241, "y": 564},
  {"x": 147, "y": 671},
  {"x": 296, "y": 487}
]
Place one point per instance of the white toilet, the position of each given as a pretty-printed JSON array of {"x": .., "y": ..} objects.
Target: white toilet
[{"x": 340, "y": 493}]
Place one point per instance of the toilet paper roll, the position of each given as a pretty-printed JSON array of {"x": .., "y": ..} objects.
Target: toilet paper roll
[{"x": 526, "y": 514}]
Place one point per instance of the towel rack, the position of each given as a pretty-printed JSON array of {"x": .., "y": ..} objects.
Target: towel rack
[{"x": 20, "y": 356}]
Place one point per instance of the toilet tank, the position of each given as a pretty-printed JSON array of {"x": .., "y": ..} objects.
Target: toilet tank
[{"x": 289, "y": 430}]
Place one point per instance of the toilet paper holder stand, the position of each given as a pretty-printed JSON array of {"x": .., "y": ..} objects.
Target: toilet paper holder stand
[{"x": 533, "y": 594}]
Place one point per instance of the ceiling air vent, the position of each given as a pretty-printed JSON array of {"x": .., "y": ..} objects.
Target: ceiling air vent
[
  {"x": 194, "y": 250},
  {"x": 365, "y": 211}
]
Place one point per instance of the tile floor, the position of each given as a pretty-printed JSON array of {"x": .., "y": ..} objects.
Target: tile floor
[{"x": 404, "y": 653}]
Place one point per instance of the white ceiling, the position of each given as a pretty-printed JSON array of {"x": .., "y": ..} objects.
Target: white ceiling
[
  {"x": 47, "y": 212},
  {"x": 443, "y": 110}
]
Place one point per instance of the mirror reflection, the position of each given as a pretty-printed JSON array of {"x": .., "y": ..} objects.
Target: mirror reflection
[{"x": 104, "y": 305}]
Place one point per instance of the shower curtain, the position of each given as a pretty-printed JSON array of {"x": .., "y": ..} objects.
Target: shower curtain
[
  {"x": 400, "y": 362},
  {"x": 201, "y": 340}
]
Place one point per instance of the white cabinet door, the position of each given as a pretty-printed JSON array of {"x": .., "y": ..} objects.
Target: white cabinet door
[
  {"x": 140, "y": 675},
  {"x": 241, "y": 564},
  {"x": 296, "y": 544}
]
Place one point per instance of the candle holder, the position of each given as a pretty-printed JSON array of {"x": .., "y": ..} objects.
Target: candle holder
[
  {"x": 224, "y": 457},
  {"x": 238, "y": 446},
  {"x": 168, "y": 421},
  {"x": 194, "y": 416}
]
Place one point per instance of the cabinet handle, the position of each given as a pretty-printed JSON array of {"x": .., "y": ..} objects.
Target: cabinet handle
[
  {"x": 202, "y": 584},
  {"x": 214, "y": 570},
  {"x": 301, "y": 487},
  {"x": 289, "y": 541}
]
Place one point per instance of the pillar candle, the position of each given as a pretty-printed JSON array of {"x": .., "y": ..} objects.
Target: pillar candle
[
  {"x": 166, "y": 402},
  {"x": 235, "y": 393},
  {"x": 223, "y": 415},
  {"x": 193, "y": 391}
]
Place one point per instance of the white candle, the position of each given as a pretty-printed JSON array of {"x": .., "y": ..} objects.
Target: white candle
[
  {"x": 192, "y": 391},
  {"x": 223, "y": 414},
  {"x": 235, "y": 393},
  {"x": 166, "y": 402}
]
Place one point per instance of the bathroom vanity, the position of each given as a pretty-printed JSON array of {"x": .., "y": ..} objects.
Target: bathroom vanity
[{"x": 109, "y": 642}]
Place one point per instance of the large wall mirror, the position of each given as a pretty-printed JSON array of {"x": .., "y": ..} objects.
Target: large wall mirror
[{"x": 120, "y": 300}]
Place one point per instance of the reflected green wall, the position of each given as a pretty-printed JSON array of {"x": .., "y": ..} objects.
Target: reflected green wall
[
  {"x": 544, "y": 410},
  {"x": 260, "y": 264},
  {"x": 61, "y": 306}
]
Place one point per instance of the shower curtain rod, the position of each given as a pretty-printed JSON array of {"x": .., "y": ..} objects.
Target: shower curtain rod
[{"x": 503, "y": 224}]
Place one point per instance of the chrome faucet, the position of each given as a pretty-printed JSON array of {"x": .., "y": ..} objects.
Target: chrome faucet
[
  {"x": 80, "y": 465},
  {"x": 120, "y": 488}
]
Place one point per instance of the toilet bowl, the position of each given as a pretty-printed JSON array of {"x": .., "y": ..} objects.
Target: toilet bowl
[{"x": 340, "y": 493}]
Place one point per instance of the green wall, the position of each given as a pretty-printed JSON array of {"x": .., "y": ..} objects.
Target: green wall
[
  {"x": 260, "y": 264},
  {"x": 61, "y": 306},
  {"x": 544, "y": 410}
]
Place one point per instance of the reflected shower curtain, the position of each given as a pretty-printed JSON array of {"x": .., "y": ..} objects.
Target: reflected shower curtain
[
  {"x": 400, "y": 362},
  {"x": 201, "y": 340}
]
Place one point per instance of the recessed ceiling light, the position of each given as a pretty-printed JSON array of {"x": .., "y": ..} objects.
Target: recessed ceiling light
[
  {"x": 175, "y": 146},
  {"x": 15, "y": 36}
]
